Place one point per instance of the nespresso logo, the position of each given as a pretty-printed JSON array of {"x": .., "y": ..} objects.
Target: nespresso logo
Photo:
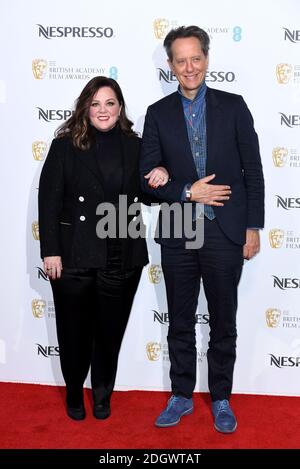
[
  {"x": 50, "y": 32},
  {"x": 281, "y": 362},
  {"x": 288, "y": 202},
  {"x": 48, "y": 350},
  {"x": 49, "y": 115},
  {"x": 292, "y": 35},
  {"x": 291, "y": 120},
  {"x": 285, "y": 283}
]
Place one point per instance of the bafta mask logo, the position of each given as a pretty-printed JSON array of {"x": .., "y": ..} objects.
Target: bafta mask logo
[
  {"x": 279, "y": 155},
  {"x": 39, "y": 68},
  {"x": 35, "y": 230},
  {"x": 272, "y": 317},
  {"x": 38, "y": 308},
  {"x": 154, "y": 273},
  {"x": 283, "y": 73},
  {"x": 161, "y": 27},
  {"x": 153, "y": 351},
  {"x": 276, "y": 237},
  {"x": 39, "y": 150}
]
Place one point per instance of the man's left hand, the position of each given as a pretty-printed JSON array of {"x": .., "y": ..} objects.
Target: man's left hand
[{"x": 252, "y": 245}]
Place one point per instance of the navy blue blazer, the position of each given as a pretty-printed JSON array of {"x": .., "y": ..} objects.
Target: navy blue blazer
[{"x": 232, "y": 155}]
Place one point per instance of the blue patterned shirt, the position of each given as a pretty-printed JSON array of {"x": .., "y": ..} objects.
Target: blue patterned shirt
[{"x": 195, "y": 118}]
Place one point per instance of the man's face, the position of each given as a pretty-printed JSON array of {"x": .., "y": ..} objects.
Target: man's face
[{"x": 189, "y": 64}]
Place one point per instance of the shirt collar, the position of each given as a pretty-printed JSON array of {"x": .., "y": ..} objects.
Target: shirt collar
[{"x": 199, "y": 96}]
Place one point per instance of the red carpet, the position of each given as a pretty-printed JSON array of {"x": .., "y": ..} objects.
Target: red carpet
[{"x": 33, "y": 416}]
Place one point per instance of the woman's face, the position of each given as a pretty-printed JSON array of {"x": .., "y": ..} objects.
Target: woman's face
[{"x": 104, "y": 109}]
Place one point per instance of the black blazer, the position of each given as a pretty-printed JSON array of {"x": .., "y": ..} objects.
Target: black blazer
[
  {"x": 70, "y": 190},
  {"x": 232, "y": 154}
]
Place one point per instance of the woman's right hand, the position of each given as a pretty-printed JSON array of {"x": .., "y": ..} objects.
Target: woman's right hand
[{"x": 53, "y": 266}]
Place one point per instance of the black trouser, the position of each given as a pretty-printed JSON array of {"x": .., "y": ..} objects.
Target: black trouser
[
  {"x": 92, "y": 309},
  {"x": 219, "y": 263}
]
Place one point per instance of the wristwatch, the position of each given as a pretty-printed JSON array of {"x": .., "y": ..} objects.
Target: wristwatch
[{"x": 188, "y": 193}]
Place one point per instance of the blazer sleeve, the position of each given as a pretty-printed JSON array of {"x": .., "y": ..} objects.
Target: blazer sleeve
[
  {"x": 252, "y": 167},
  {"x": 151, "y": 157},
  {"x": 50, "y": 200}
]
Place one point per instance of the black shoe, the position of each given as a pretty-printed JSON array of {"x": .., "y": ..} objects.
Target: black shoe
[
  {"x": 76, "y": 413},
  {"x": 101, "y": 411}
]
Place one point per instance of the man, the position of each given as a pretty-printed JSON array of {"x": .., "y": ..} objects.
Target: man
[{"x": 206, "y": 140}]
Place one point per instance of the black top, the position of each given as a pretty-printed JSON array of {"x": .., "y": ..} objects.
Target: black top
[{"x": 110, "y": 164}]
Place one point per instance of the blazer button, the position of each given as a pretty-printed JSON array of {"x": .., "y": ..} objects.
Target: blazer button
[
  {"x": 135, "y": 199},
  {"x": 82, "y": 218},
  {"x": 81, "y": 198}
]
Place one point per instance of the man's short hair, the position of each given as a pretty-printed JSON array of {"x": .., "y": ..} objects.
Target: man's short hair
[{"x": 183, "y": 32}]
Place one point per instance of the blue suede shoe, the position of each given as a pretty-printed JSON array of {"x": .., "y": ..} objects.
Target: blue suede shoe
[
  {"x": 225, "y": 420},
  {"x": 176, "y": 408}
]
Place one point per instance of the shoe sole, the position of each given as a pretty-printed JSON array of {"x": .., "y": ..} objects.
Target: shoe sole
[
  {"x": 101, "y": 416},
  {"x": 164, "y": 425},
  {"x": 225, "y": 431},
  {"x": 76, "y": 417}
]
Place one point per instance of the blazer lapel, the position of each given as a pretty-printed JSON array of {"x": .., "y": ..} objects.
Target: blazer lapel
[
  {"x": 213, "y": 123},
  {"x": 130, "y": 160}
]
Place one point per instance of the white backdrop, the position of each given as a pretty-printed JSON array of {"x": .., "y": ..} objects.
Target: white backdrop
[{"x": 49, "y": 52}]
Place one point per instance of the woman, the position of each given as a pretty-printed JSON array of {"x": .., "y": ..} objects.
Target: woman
[{"x": 93, "y": 159}]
